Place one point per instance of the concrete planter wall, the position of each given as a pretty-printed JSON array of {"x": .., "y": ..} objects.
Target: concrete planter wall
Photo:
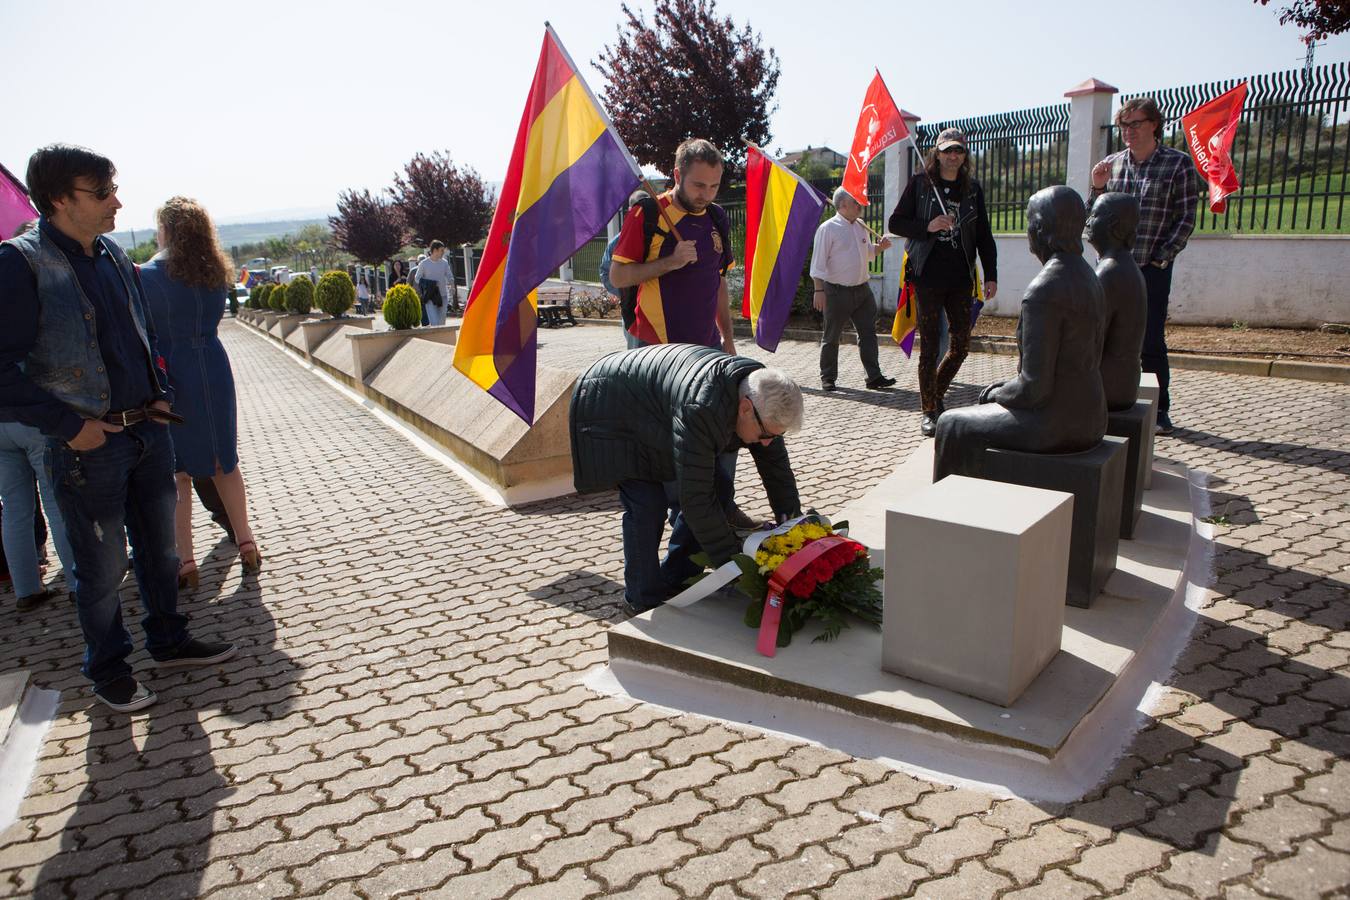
[
  {"x": 370, "y": 350},
  {"x": 311, "y": 334}
]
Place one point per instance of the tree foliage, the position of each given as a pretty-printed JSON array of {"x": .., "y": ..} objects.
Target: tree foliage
[
  {"x": 440, "y": 201},
  {"x": 1319, "y": 17},
  {"x": 367, "y": 227},
  {"x": 689, "y": 73},
  {"x": 402, "y": 307}
]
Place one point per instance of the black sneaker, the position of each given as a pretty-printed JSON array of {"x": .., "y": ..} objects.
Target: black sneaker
[
  {"x": 126, "y": 694},
  {"x": 1164, "y": 425},
  {"x": 826, "y": 385},
  {"x": 928, "y": 424},
  {"x": 881, "y": 381},
  {"x": 32, "y": 601},
  {"x": 197, "y": 653}
]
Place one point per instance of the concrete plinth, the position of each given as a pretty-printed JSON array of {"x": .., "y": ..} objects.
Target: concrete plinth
[
  {"x": 310, "y": 335},
  {"x": 1150, "y": 390},
  {"x": 370, "y": 350},
  {"x": 1136, "y": 426},
  {"x": 702, "y": 658},
  {"x": 1096, "y": 478},
  {"x": 418, "y": 383},
  {"x": 983, "y": 614}
]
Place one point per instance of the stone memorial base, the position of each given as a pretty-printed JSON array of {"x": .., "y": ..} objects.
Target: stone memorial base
[
  {"x": 983, "y": 615},
  {"x": 1096, "y": 478},
  {"x": 1054, "y": 741},
  {"x": 1136, "y": 426},
  {"x": 1150, "y": 390}
]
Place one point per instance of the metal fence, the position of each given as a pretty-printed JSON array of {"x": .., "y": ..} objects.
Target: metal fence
[
  {"x": 1013, "y": 154},
  {"x": 1291, "y": 151}
]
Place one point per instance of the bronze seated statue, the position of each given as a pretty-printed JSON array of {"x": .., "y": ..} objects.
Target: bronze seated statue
[
  {"x": 1055, "y": 403},
  {"x": 1110, "y": 230}
]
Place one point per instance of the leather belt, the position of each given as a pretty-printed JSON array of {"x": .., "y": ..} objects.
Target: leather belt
[{"x": 145, "y": 413}]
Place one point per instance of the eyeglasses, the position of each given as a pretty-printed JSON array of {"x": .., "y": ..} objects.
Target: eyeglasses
[
  {"x": 1133, "y": 126},
  {"x": 960, "y": 151},
  {"x": 100, "y": 194},
  {"x": 764, "y": 433}
]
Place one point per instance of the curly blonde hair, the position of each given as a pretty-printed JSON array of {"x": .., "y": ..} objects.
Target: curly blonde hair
[{"x": 195, "y": 257}]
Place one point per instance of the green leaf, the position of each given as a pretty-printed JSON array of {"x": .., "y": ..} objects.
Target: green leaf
[{"x": 754, "y": 613}]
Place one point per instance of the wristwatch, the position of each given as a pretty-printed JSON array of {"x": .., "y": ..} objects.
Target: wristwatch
[{"x": 1162, "y": 263}]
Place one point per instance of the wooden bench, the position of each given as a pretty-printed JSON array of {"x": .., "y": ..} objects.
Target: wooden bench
[{"x": 555, "y": 304}]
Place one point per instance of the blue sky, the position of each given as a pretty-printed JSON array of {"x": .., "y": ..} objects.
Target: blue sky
[{"x": 258, "y": 108}]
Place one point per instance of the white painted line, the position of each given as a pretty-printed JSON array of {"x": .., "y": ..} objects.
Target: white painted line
[{"x": 18, "y": 756}]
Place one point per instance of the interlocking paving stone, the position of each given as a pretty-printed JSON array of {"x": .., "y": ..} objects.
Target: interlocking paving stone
[{"x": 405, "y": 717}]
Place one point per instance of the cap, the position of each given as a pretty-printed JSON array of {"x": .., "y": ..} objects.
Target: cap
[{"x": 951, "y": 137}]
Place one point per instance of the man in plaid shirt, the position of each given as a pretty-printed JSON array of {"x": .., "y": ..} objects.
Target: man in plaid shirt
[{"x": 1168, "y": 188}]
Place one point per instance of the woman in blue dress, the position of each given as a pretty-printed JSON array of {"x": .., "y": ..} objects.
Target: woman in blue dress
[{"x": 185, "y": 288}]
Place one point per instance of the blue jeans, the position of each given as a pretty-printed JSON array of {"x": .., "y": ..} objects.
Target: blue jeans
[
  {"x": 122, "y": 490},
  {"x": 647, "y": 505},
  {"x": 1153, "y": 358},
  {"x": 22, "y": 452}
]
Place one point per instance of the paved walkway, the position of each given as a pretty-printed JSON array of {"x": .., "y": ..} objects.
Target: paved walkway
[{"x": 405, "y": 716}]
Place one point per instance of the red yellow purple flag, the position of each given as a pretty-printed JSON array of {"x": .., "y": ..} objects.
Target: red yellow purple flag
[
  {"x": 781, "y": 215},
  {"x": 15, "y": 207},
  {"x": 569, "y": 173}
]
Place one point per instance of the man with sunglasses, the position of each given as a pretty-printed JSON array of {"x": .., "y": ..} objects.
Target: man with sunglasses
[
  {"x": 78, "y": 362},
  {"x": 1168, "y": 187},
  {"x": 652, "y": 422}
]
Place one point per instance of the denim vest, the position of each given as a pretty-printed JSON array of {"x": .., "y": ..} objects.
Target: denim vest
[{"x": 65, "y": 359}]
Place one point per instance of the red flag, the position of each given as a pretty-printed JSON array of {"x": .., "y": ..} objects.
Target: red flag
[
  {"x": 1210, "y": 130},
  {"x": 15, "y": 207},
  {"x": 879, "y": 125}
]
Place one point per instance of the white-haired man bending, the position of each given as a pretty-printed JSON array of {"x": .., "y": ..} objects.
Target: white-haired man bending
[{"x": 839, "y": 269}]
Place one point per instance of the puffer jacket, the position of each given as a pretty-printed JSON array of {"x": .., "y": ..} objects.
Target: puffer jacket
[{"x": 664, "y": 413}]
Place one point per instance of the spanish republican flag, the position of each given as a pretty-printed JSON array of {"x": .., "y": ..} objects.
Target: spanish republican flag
[
  {"x": 906, "y": 322},
  {"x": 569, "y": 173},
  {"x": 15, "y": 207},
  {"x": 781, "y": 216}
]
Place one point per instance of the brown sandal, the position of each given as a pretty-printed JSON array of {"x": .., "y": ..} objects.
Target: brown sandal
[
  {"x": 250, "y": 558},
  {"x": 188, "y": 576}
]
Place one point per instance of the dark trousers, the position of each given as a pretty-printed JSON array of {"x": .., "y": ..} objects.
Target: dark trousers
[
  {"x": 1153, "y": 358},
  {"x": 844, "y": 304},
  {"x": 122, "y": 490},
  {"x": 647, "y": 506},
  {"x": 935, "y": 378}
]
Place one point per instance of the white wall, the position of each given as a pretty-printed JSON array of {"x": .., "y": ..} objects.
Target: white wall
[{"x": 1266, "y": 280}]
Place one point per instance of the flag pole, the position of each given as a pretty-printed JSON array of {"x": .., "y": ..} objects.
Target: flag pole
[
  {"x": 665, "y": 216},
  {"x": 941, "y": 205}
]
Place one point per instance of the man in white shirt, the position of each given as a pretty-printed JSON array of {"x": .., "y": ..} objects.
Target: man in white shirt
[{"x": 839, "y": 269}]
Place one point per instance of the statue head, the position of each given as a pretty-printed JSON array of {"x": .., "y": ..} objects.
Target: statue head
[
  {"x": 1113, "y": 222},
  {"x": 1055, "y": 218}
]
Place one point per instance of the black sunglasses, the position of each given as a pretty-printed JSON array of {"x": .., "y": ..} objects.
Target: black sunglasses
[{"x": 100, "y": 194}]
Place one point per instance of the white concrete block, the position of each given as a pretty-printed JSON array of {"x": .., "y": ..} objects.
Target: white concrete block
[
  {"x": 1149, "y": 390},
  {"x": 975, "y": 578}
]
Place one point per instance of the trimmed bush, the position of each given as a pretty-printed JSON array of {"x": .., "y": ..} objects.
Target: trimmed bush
[
  {"x": 300, "y": 295},
  {"x": 277, "y": 299},
  {"x": 402, "y": 307},
  {"x": 260, "y": 295},
  {"x": 336, "y": 293}
]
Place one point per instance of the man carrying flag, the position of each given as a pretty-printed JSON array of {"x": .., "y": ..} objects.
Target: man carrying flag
[
  {"x": 681, "y": 277},
  {"x": 843, "y": 291},
  {"x": 1168, "y": 189}
]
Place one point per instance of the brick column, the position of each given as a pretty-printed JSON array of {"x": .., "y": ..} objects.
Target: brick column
[{"x": 1089, "y": 111}]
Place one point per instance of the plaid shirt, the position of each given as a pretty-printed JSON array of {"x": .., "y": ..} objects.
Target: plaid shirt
[{"x": 1168, "y": 188}]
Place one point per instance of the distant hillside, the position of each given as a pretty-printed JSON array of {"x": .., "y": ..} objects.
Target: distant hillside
[{"x": 235, "y": 234}]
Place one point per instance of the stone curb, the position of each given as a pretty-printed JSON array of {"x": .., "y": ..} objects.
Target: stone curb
[{"x": 1276, "y": 368}]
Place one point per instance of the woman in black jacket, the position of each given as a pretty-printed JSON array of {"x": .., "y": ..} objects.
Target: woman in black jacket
[{"x": 943, "y": 238}]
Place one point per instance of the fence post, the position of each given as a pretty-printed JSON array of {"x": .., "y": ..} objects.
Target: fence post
[
  {"x": 565, "y": 270},
  {"x": 897, "y": 163},
  {"x": 1089, "y": 113}
]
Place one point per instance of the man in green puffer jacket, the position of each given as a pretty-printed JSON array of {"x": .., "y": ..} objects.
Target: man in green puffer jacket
[{"x": 651, "y": 422}]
